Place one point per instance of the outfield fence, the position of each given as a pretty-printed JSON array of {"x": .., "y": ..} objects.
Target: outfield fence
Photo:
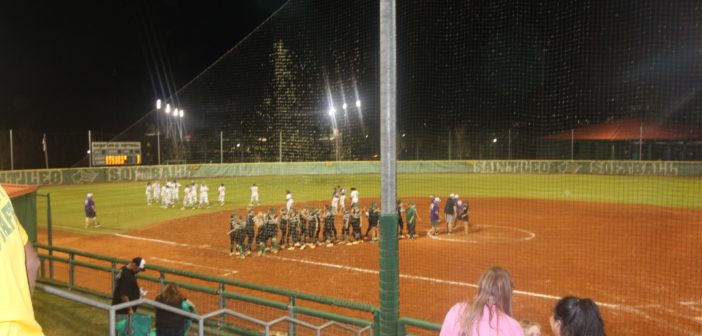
[
  {"x": 146, "y": 173},
  {"x": 241, "y": 307}
]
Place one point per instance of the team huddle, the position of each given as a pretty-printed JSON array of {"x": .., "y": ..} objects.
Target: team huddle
[
  {"x": 195, "y": 196},
  {"x": 307, "y": 227}
]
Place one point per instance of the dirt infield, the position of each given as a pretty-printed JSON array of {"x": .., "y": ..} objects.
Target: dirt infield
[{"x": 642, "y": 264}]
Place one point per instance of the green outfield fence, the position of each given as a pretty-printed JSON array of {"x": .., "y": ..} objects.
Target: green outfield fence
[
  {"x": 145, "y": 173},
  {"x": 93, "y": 274}
]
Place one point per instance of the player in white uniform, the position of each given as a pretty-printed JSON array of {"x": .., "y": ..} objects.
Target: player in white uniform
[
  {"x": 176, "y": 192},
  {"x": 288, "y": 200},
  {"x": 342, "y": 198},
  {"x": 354, "y": 196},
  {"x": 204, "y": 197},
  {"x": 157, "y": 191},
  {"x": 164, "y": 189},
  {"x": 148, "y": 193},
  {"x": 254, "y": 194},
  {"x": 335, "y": 201},
  {"x": 186, "y": 198},
  {"x": 193, "y": 196},
  {"x": 220, "y": 194}
]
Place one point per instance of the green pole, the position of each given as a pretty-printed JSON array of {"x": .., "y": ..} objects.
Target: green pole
[{"x": 389, "y": 275}]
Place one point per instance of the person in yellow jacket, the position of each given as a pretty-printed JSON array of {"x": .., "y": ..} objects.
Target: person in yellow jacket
[{"x": 18, "y": 274}]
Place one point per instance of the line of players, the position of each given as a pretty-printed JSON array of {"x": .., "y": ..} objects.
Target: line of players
[
  {"x": 168, "y": 195},
  {"x": 291, "y": 228}
]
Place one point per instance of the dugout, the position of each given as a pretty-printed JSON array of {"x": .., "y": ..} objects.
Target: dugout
[
  {"x": 626, "y": 139},
  {"x": 24, "y": 201}
]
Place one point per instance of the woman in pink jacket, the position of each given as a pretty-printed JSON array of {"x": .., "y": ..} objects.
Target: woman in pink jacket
[{"x": 490, "y": 311}]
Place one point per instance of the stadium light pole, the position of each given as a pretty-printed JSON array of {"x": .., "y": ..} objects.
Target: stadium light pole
[
  {"x": 388, "y": 245},
  {"x": 12, "y": 152},
  {"x": 158, "y": 131}
]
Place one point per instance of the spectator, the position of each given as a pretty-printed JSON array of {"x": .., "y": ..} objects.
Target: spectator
[
  {"x": 168, "y": 323},
  {"x": 127, "y": 289},
  {"x": 574, "y": 316},
  {"x": 490, "y": 311},
  {"x": 530, "y": 328},
  {"x": 18, "y": 266}
]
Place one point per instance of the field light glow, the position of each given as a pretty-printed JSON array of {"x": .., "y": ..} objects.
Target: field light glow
[
  {"x": 494, "y": 140},
  {"x": 344, "y": 106},
  {"x": 168, "y": 108},
  {"x": 332, "y": 111},
  {"x": 158, "y": 104},
  {"x": 182, "y": 113},
  {"x": 358, "y": 103}
]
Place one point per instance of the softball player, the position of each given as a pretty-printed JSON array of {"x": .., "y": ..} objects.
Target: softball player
[
  {"x": 234, "y": 231},
  {"x": 345, "y": 217},
  {"x": 303, "y": 229},
  {"x": 254, "y": 194},
  {"x": 148, "y": 193},
  {"x": 355, "y": 220},
  {"x": 283, "y": 226},
  {"x": 288, "y": 200},
  {"x": 329, "y": 228},
  {"x": 342, "y": 198},
  {"x": 157, "y": 191},
  {"x": 250, "y": 227},
  {"x": 354, "y": 196},
  {"x": 220, "y": 194},
  {"x": 292, "y": 239},
  {"x": 373, "y": 214},
  {"x": 335, "y": 201},
  {"x": 204, "y": 197}
]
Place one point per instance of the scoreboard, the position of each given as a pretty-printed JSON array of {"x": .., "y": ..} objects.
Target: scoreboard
[{"x": 113, "y": 153}]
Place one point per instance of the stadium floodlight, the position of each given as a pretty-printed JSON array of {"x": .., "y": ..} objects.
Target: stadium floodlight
[
  {"x": 344, "y": 106},
  {"x": 358, "y": 103},
  {"x": 332, "y": 111},
  {"x": 168, "y": 108},
  {"x": 403, "y": 135},
  {"x": 181, "y": 113},
  {"x": 158, "y": 104},
  {"x": 238, "y": 145},
  {"x": 88, "y": 152},
  {"x": 494, "y": 140}
]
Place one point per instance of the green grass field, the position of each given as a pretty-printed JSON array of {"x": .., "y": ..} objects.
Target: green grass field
[{"x": 122, "y": 206}]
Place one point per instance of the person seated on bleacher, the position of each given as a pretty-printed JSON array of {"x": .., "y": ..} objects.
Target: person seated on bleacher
[
  {"x": 574, "y": 316},
  {"x": 168, "y": 323}
]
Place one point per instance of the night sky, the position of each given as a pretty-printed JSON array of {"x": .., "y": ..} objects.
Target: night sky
[
  {"x": 79, "y": 65},
  {"x": 476, "y": 70}
]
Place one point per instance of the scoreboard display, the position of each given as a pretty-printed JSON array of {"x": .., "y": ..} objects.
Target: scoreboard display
[{"x": 116, "y": 153}]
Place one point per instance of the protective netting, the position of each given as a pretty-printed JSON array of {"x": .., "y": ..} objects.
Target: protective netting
[{"x": 615, "y": 82}]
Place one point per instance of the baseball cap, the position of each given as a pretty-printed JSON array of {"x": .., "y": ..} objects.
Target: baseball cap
[
  {"x": 89, "y": 195},
  {"x": 140, "y": 262}
]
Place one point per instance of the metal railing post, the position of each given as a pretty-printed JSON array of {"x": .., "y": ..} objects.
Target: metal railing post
[
  {"x": 112, "y": 276},
  {"x": 222, "y": 303},
  {"x": 291, "y": 313},
  {"x": 50, "y": 235},
  {"x": 71, "y": 271},
  {"x": 112, "y": 323}
]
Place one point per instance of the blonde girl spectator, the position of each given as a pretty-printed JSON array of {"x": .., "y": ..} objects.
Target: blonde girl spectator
[{"x": 488, "y": 313}]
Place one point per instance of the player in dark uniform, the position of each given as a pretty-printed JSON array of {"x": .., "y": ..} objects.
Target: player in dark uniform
[
  {"x": 313, "y": 227},
  {"x": 283, "y": 226},
  {"x": 236, "y": 232},
  {"x": 400, "y": 223},
  {"x": 292, "y": 237},
  {"x": 302, "y": 241},
  {"x": 345, "y": 216},
  {"x": 250, "y": 228},
  {"x": 272, "y": 230},
  {"x": 464, "y": 216},
  {"x": 355, "y": 221},
  {"x": 329, "y": 235},
  {"x": 373, "y": 215},
  {"x": 262, "y": 233}
]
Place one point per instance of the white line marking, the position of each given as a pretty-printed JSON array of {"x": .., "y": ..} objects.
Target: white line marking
[
  {"x": 154, "y": 240},
  {"x": 195, "y": 265},
  {"x": 405, "y": 276},
  {"x": 530, "y": 235}
]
